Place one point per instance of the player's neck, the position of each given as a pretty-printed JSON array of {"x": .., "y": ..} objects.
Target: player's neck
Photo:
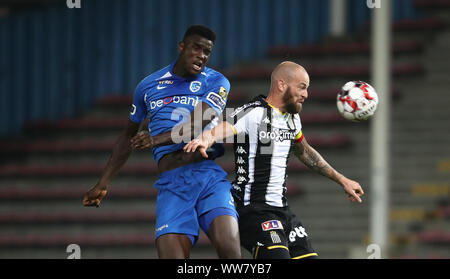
[
  {"x": 179, "y": 70},
  {"x": 274, "y": 103}
]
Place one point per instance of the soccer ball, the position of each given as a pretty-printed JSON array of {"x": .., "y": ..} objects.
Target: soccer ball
[{"x": 357, "y": 101}]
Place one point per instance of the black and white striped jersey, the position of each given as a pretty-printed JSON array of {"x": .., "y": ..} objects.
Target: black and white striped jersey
[{"x": 262, "y": 143}]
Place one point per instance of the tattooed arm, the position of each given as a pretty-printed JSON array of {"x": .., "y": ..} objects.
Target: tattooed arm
[{"x": 312, "y": 159}]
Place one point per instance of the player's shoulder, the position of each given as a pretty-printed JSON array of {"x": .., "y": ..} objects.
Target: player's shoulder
[
  {"x": 256, "y": 102},
  {"x": 157, "y": 75},
  {"x": 152, "y": 78},
  {"x": 212, "y": 75},
  {"x": 254, "y": 106}
]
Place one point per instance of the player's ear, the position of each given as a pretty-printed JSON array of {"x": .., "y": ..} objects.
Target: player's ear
[
  {"x": 282, "y": 85},
  {"x": 180, "y": 46}
]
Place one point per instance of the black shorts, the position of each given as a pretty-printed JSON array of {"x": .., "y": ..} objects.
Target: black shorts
[{"x": 269, "y": 226}]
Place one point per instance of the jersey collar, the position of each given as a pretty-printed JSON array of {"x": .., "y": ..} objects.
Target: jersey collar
[{"x": 263, "y": 98}]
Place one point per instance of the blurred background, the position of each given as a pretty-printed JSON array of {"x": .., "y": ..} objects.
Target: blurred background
[{"x": 66, "y": 80}]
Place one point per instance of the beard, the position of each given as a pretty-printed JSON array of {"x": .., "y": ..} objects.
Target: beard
[{"x": 290, "y": 105}]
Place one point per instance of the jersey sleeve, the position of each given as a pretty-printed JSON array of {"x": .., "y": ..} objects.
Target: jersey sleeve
[
  {"x": 298, "y": 128},
  {"x": 138, "y": 110},
  {"x": 217, "y": 93}
]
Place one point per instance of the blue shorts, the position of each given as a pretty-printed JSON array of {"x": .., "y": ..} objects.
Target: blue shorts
[{"x": 190, "y": 197}]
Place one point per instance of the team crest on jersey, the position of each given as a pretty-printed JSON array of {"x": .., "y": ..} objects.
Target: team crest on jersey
[
  {"x": 195, "y": 86},
  {"x": 271, "y": 225}
]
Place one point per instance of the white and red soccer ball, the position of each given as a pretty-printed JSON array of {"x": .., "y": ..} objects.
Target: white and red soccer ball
[{"x": 357, "y": 101}]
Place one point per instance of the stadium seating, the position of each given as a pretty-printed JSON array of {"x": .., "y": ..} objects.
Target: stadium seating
[
  {"x": 361, "y": 71},
  {"x": 340, "y": 48},
  {"x": 444, "y": 212},
  {"x": 434, "y": 237},
  {"x": 46, "y": 218},
  {"x": 432, "y": 23},
  {"x": 444, "y": 165},
  {"x": 12, "y": 194},
  {"x": 432, "y": 4},
  {"x": 82, "y": 240},
  {"x": 432, "y": 189}
]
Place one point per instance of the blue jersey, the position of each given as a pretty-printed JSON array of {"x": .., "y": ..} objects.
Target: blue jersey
[{"x": 168, "y": 100}]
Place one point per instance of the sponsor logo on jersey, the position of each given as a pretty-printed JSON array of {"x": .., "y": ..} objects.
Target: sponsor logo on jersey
[
  {"x": 216, "y": 100},
  {"x": 184, "y": 100},
  {"x": 241, "y": 170},
  {"x": 240, "y": 150},
  {"x": 241, "y": 179},
  {"x": 239, "y": 160},
  {"x": 277, "y": 135},
  {"x": 275, "y": 237},
  {"x": 271, "y": 225},
  {"x": 297, "y": 232},
  {"x": 239, "y": 109},
  {"x": 195, "y": 86},
  {"x": 162, "y": 83}
]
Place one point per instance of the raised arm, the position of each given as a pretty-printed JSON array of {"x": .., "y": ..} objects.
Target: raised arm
[
  {"x": 312, "y": 159},
  {"x": 209, "y": 137},
  {"x": 183, "y": 132}
]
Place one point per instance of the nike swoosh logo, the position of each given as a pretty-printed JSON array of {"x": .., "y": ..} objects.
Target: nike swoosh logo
[{"x": 160, "y": 87}]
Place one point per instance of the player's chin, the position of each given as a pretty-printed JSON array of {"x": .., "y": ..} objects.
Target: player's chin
[{"x": 195, "y": 70}]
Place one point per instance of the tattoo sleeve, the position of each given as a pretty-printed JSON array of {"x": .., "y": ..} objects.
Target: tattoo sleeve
[{"x": 312, "y": 159}]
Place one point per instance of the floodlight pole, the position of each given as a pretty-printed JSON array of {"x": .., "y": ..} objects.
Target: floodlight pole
[{"x": 380, "y": 127}]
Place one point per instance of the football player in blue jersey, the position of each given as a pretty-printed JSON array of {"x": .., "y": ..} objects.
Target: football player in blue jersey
[{"x": 180, "y": 101}]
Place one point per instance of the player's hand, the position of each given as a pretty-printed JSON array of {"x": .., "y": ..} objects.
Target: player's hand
[
  {"x": 94, "y": 196},
  {"x": 352, "y": 189},
  {"x": 197, "y": 144},
  {"x": 202, "y": 143},
  {"x": 142, "y": 140}
]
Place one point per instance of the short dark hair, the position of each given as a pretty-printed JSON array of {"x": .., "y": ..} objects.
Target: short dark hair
[{"x": 201, "y": 30}]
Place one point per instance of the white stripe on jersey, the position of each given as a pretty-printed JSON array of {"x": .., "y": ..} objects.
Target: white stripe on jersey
[
  {"x": 255, "y": 117},
  {"x": 166, "y": 75}
]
